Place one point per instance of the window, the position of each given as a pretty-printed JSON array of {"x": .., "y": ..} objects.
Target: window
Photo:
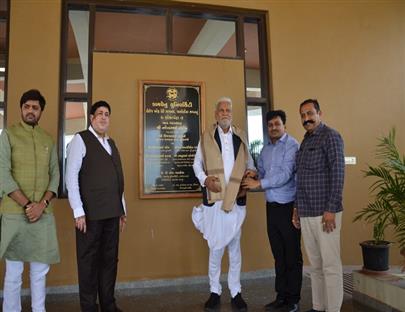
[
  {"x": 257, "y": 82},
  {"x": 75, "y": 82},
  {"x": 176, "y": 29},
  {"x": 75, "y": 119},
  {"x": 77, "y": 59},
  {"x": 125, "y": 31},
  {"x": 252, "y": 59},
  {"x": 255, "y": 129},
  {"x": 4, "y": 25},
  {"x": 198, "y": 36}
]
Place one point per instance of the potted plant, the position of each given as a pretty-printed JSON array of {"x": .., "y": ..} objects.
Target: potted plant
[{"x": 388, "y": 207}]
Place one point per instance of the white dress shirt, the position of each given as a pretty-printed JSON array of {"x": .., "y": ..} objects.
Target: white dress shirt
[{"x": 76, "y": 150}]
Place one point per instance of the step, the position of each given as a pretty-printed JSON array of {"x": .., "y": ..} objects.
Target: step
[{"x": 383, "y": 291}]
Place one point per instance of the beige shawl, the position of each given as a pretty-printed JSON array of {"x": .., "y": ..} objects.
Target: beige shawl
[{"x": 214, "y": 167}]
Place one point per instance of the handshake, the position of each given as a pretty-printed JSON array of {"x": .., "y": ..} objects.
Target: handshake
[{"x": 249, "y": 182}]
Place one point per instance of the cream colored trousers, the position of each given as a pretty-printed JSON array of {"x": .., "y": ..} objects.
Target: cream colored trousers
[{"x": 323, "y": 251}]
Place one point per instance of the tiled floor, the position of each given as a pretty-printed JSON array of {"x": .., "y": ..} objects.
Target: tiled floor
[{"x": 189, "y": 298}]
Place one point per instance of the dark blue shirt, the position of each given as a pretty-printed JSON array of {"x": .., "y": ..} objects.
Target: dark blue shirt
[
  {"x": 320, "y": 172},
  {"x": 276, "y": 166}
]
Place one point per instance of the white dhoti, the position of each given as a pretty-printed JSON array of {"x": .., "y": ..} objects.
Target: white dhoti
[
  {"x": 221, "y": 230},
  {"x": 217, "y": 226}
]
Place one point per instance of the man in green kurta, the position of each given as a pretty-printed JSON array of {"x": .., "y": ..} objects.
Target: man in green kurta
[{"x": 29, "y": 178}]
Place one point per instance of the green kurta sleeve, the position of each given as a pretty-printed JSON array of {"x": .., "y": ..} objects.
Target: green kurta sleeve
[
  {"x": 53, "y": 172},
  {"x": 7, "y": 182}
]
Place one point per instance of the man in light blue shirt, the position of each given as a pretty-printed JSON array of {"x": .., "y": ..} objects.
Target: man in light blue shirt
[{"x": 276, "y": 168}]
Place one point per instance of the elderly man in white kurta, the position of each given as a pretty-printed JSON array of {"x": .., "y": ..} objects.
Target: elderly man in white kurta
[{"x": 221, "y": 162}]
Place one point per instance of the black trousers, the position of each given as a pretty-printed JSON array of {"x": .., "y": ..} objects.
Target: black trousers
[
  {"x": 285, "y": 242},
  {"x": 97, "y": 259}
]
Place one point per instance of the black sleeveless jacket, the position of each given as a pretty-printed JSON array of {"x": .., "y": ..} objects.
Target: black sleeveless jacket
[{"x": 101, "y": 179}]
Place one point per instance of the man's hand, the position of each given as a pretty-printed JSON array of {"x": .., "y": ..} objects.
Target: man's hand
[
  {"x": 213, "y": 184},
  {"x": 250, "y": 174},
  {"x": 296, "y": 219},
  {"x": 34, "y": 211},
  {"x": 328, "y": 221},
  {"x": 241, "y": 193},
  {"x": 250, "y": 183},
  {"x": 80, "y": 223},
  {"x": 123, "y": 223}
]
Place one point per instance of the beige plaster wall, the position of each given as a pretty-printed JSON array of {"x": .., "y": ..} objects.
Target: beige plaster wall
[{"x": 348, "y": 54}]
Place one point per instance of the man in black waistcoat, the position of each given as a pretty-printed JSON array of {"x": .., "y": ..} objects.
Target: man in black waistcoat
[{"x": 95, "y": 184}]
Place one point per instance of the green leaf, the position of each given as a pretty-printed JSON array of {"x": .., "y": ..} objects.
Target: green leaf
[{"x": 388, "y": 188}]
